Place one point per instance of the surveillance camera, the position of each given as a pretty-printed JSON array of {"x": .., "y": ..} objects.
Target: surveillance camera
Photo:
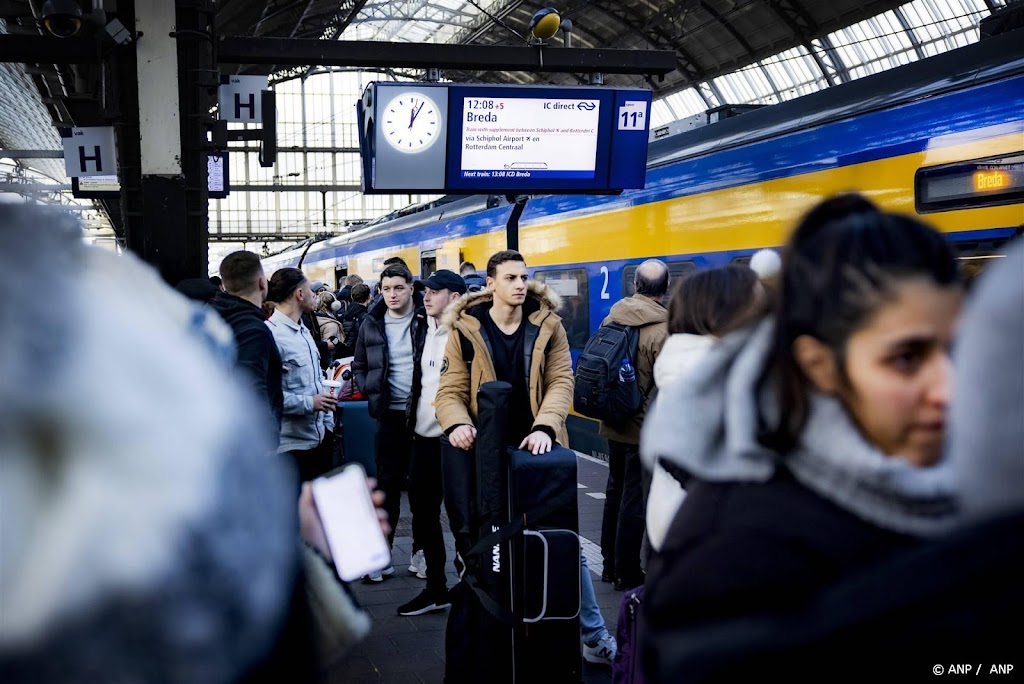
[{"x": 62, "y": 18}]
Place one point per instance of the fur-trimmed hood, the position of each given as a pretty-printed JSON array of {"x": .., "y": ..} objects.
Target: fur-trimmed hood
[
  {"x": 549, "y": 361},
  {"x": 541, "y": 294}
]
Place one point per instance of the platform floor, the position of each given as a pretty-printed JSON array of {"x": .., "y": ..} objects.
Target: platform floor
[{"x": 411, "y": 649}]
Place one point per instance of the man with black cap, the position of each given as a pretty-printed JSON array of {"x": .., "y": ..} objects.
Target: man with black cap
[{"x": 425, "y": 488}]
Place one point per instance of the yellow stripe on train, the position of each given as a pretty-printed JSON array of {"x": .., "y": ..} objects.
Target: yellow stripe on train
[{"x": 744, "y": 217}]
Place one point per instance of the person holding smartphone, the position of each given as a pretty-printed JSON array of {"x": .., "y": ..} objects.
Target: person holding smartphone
[{"x": 308, "y": 424}]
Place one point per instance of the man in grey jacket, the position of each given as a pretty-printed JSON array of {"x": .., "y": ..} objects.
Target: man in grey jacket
[{"x": 308, "y": 422}]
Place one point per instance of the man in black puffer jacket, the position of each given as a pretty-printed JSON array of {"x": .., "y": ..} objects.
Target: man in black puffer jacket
[
  {"x": 386, "y": 369},
  {"x": 245, "y": 288}
]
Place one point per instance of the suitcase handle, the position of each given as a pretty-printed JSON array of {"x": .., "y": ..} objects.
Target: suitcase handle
[{"x": 544, "y": 593}]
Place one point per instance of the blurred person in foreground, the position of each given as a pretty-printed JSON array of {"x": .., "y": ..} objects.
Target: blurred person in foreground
[
  {"x": 955, "y": 600},
  {"x": 142, "y": 541},
  {"x": 814, "y": 435}
]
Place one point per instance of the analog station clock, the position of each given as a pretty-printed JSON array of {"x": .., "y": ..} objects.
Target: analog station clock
[{"x": 411, "y": 122}]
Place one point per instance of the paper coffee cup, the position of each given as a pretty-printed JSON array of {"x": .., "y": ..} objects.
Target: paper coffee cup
[{"x": 333, "y": 388}]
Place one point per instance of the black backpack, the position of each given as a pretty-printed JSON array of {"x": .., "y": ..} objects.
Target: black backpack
[{"x": 598, "y": 392}]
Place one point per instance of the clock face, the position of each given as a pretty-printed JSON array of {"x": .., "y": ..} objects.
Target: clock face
[{"x": 411, "y": 122}]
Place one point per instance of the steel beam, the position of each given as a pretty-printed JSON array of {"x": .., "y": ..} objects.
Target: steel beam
[
  {"x": 19, "y": 188},
  {"x": 47, "y": 49},
  {"x": 294, "y": 188},
  {"x": 371, "y": 54},
  {"x": 32, "y": 154}
]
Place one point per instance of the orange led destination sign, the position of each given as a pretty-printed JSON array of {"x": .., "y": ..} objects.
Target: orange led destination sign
[{"x": 990, "y": 180}]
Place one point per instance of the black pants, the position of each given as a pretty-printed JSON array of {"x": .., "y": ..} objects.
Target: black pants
[
  {"x": 425, "y": 496},
  {"x": 312, "y": 463},
  {"x": 629, "y": 535},
  {"x": 394, "y": 450},
  {"x": 612, "y": 501}
]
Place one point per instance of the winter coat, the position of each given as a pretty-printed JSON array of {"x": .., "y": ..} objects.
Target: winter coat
[
  {"x": 651, "y": 320},
  {"x": 956, "y": 594},
  {"x": 329, "y": 327},
  {"x": 762, "y": 532},
  {"x": 257, "y": 352},
  {"x": 350, "y": 324},
  {"x": 370, "y": 365},
  {"x": 550, "y": 379},
  {"x": 681, "y": 354},
  {"x": 744, "y": 548}
]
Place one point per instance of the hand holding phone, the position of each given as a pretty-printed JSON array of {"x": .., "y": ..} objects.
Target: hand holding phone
[{"x": 350, "y": 523}]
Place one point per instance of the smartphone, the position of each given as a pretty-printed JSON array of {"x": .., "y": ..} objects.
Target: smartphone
[{"x": 350, "y": 522}]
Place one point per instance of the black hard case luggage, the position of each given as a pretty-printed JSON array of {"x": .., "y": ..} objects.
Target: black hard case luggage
[
  {"x": 545, "y": 566},
  {"x": 515, "y": 615}
]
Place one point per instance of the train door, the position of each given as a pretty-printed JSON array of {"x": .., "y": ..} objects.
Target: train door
[
  {"x": 428, "y": 262},
  {"x": 340, "y": 273},
  {"x": 449, "y": 258}
]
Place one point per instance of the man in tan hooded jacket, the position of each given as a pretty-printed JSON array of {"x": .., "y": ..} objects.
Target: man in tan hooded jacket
[
  {"x": 516, "y": 336},
  {"x": 510, "y": 325}
]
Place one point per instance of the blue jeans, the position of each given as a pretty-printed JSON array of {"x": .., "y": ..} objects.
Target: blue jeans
[{"x": 591, "y": 621}]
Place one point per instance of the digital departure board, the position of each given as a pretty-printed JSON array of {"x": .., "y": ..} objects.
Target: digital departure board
[
  {"x": 977, "y": 183},
  {"x": 418, "y": 137}
]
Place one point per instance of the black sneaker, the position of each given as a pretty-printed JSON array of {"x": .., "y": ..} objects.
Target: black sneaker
[
  {"x": 427, "y": 601},
  {"x": 607, "y": 575}
]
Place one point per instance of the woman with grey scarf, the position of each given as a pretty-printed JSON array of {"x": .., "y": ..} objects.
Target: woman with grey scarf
[{"x": 813, "y": 436}]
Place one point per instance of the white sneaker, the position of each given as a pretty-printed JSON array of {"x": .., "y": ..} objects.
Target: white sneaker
[
  {"x": 381, "y": 574},
  {"x": 418, "y": 564},
  {"x": 601, "y": 652}
]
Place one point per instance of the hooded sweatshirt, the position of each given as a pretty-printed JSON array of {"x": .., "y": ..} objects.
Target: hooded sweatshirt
[
  {"x": 651, "y": 319},
  {"x": 430, "y": 378}
]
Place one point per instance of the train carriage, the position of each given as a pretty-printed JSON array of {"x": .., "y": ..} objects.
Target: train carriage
[{"x": 942, "y": 138}]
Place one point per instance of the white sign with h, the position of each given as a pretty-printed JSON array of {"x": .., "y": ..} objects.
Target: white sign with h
[
  {"x": 89, "y": 151},
  {"x": 238, "y": 98}
]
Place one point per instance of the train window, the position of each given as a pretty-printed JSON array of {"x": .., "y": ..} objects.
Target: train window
[
  {"x": 428, "y": 262},
  {"x": 743, "y": 260},
  {"x": 676, "y": 269},
  {"x": 971, "y": 184},
  {"x": 574, "y": 288}
]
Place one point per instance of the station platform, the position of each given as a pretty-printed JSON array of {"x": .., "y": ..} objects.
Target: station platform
[{"x": 402, "y": 650}]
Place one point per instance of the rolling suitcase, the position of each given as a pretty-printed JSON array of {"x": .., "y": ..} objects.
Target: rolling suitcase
[{"x": 515, "y": 614}]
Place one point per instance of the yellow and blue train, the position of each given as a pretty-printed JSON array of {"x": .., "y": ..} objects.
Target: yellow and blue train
[{"x": 942, "y": 138}]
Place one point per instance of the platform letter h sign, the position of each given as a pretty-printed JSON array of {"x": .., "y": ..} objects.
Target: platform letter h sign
[
  {"x": 97, "y": 157},
  {"x": 251, "y": 106}
]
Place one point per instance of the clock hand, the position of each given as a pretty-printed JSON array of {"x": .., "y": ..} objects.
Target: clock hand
[{"x": 415, "y": 113}]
